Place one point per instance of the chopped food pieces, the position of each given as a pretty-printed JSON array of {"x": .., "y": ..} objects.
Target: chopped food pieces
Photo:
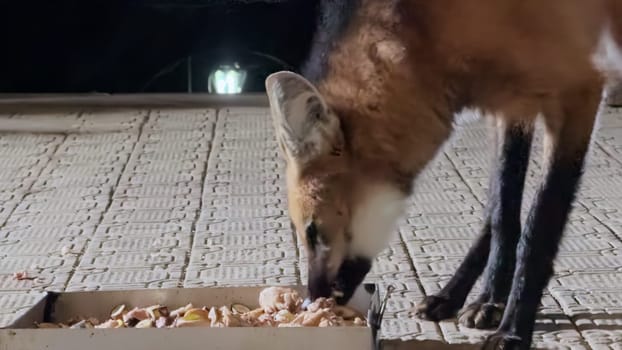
[
  {"x": 284, "y": 316},
  {"x": 47, "y": 325},
  {"x": 279, "y": 298},
  {"x": 144, "y": 324},
  {"x": 240, "y": 309},
  {"x": 117, "y": 312},
  {"x": 135, "y": 315},
  {"x": 157, "y": 311},
  {"x": 181, "y": 311},
  {"x": 163, "y": 322},
  {"x": 278, "y": 307},
  {"x": 193, "y": 318},
  {"x": 82, "y": 324},
  {"x": 117, "y": 323},
  {"x": 22, "y": 276}
]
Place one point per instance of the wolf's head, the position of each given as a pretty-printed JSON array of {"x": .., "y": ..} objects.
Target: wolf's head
[{"x": 343, "y": 215}]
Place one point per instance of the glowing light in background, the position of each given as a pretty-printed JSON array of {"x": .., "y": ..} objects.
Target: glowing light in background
[{"x": 227, "y": 80}]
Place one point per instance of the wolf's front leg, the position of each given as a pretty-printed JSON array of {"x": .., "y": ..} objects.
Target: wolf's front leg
[
  {"x": 568, "y": 141},
  {"x": 495, "y": 248},
  {"x": 504, "y": 203}
]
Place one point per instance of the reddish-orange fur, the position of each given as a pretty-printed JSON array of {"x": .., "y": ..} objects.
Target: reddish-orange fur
[{"x": 513, "y": 59}]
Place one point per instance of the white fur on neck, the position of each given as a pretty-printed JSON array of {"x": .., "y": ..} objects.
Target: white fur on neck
[
  {"x": 374, "y": 220},
  {"x": 608, "y": 55}
]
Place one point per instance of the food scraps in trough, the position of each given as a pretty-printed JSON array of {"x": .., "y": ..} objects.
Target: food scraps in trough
[
  {"x": 278, "y": 307},
  {"x": 22, "y": 276}
]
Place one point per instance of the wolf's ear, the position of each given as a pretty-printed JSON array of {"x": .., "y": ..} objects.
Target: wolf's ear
[{"x": 305, "y": 127}]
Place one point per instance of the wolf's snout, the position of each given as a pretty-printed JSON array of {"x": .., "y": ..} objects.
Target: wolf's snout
[
  {"x": 319, "y": 285},
  {"x": 351, "y": 274}
]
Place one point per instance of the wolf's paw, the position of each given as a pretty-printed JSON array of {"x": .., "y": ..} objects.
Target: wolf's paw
[
  {"x": 437, "y": 308},
  {"x": 481, "y": 315},
  {"x": 504, "y": 341}
]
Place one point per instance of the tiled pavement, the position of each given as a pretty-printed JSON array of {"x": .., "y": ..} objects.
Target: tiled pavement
[{"x": 179, "y": 197}]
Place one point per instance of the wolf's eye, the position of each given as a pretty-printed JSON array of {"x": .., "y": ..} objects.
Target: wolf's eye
[{"x": 312, "y": 235}]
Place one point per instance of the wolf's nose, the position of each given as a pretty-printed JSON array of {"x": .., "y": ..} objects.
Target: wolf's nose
[{"x": 319, "y": 288}]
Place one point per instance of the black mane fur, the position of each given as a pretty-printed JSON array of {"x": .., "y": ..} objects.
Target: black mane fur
[{"x": 333, "y": 19}]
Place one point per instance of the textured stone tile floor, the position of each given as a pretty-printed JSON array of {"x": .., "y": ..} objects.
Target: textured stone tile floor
[{"x": 195, "y": 197}]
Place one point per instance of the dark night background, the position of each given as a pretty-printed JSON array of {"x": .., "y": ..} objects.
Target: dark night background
[{"x": 60, "y": 46}]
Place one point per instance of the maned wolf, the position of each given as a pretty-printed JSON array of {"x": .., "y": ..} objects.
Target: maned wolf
[{"x": 381, "y": 88}]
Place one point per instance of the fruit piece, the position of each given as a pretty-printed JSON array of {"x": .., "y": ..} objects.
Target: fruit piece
[
  {"x": 134, "y": 316},
  {"x": 214, "y": 317},
  {"x": 117, "y": 311},
  {"x": 359, "y": 322},
  {"x": 194, "y": 318},
  {"x": 240, "y": 309},
  {"x": 82, "y": 324},
  {"x": 255, "y": 313},
  {"x": 313, "y": 319},
  {"x": 274, "y": 299},
  {"x": 182, "y": 324},
  {"x": 229, "y": 319},
  {"x": 309, "y": 319},
  {"x": 157, "y": 311},
  {"x": 163, "y": 322},
  {"x": 93, "y": 321},
  {"x": 284, "y": 316},
  {"x": 148, "y": 323},
  {"x": 179, "y": 312},
  {"x": 326, "y": 322},
  {"x": 265, "y": 320},
  {"x": 252, "y": 317},
  {"x": 321, "y": 303},
  {"x": 196, "y": 315},
  {"x": 346, "y": 312},
  {"x": 47, "y": 325},
  {"x": 111, "y": 324}
]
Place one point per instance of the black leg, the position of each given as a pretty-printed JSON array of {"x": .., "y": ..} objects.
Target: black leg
[
  {"x": 451, "y": 298},
  {"x": 510, "y": 161},
  {"x": 537, "y": 250},
  {"x": 504, "y": 203},
  {"x": 539, "y": 242}
]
